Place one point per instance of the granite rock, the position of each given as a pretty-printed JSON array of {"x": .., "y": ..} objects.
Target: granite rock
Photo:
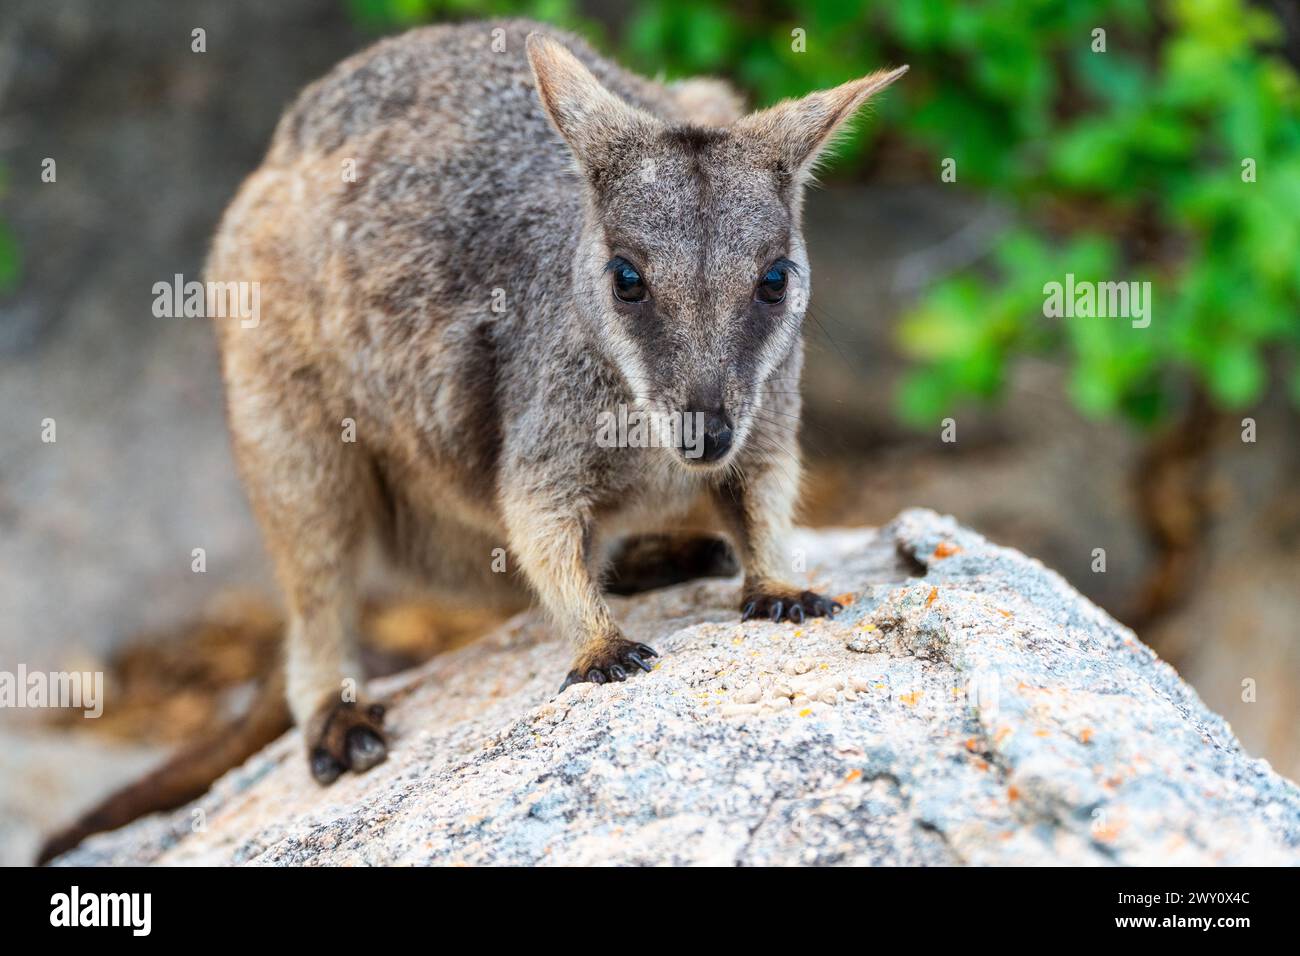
[{"x": 967, "y": 707}]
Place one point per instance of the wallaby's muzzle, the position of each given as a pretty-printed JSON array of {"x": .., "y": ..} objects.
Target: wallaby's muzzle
[
  {"x": 708, "y": 437},
  {"x": 717, "y": 437}
]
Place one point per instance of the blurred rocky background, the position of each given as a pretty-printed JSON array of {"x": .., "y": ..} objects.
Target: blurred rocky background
[{"x": 1070, "y": 437}]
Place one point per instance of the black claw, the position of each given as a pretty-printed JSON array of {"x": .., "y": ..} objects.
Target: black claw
[
  {"x": 777, "y": 608},
  {"x": 633, "y": 656},
  {"x": 749, "y": 610},
  {"x": 796, "y": 613},
  {"x": 324, "y": 768},
  {"x": 365, "y": 749}
]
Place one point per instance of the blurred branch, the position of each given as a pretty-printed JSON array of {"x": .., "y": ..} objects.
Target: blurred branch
[{"x": 961, "y": 250}]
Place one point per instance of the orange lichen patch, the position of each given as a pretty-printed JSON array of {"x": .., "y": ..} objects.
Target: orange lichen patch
[
  {"x": 945, "y": 550},
  {"x": 805, "y": 712},
  {"x": 910, "y": 699},
  {"x": 853, "y": 775},
  {"x": 973, "y": 745},
  {"x": 846, "y": 598},
  {"x": 1106, "y": 833},
  {"x": 934, "y": 593},
  {"x": 1002, "y": 735},
  {"x": 1085, "y": 735},
  {"x": 1042, "y": 733},
  {"x": 982, "y": 764},
  {"x": 1013, "y": 794},
  {"x": 1004, "y": 613}
]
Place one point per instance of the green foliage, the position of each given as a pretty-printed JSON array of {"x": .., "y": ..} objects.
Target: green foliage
[
  {"x": 387, "y": 14},
  {"x": 10, "y": 258},
  {"x": 1148, "y": 137},
  {"x": 1125, "y": 165}
]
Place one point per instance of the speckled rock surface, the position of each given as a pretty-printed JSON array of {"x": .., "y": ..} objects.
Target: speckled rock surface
[{"x": 968, "y": 707}]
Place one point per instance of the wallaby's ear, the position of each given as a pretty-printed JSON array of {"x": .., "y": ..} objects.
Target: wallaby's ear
[
  {"x": 590, "y": 118},
  {"x": 798, "y": 131}
]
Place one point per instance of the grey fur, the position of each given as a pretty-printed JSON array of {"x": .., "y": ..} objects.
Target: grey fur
[{"x": 476, "y": 428}]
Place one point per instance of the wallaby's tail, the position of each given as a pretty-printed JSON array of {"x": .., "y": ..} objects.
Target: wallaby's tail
[{"x": 189, "y": 774}]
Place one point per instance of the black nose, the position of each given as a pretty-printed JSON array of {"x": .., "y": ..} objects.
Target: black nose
[{"x": 713, "y": 437}]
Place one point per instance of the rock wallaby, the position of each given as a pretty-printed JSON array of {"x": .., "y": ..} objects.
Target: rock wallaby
[
  {"x": 475, "y": 245},
  {"x": 532, "y": 240}
]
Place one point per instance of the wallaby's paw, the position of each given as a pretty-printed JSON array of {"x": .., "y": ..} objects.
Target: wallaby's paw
[
  {"x": 345, "y": 735},
  {"x": 779, "y": 604},
  {"x": 614, "y": 660}
]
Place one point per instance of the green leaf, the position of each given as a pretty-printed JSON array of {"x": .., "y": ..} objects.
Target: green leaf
[
  {"x": 10, "y": 259},
  {"x": 1236, "y": 375}
]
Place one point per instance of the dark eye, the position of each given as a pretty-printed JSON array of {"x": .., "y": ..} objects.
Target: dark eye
[
  {"x": 628, "y": 285},
  {"x": 771, "y": 288}
]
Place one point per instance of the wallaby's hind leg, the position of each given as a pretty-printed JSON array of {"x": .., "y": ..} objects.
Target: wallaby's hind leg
[
  {"x": 313, "y": 494},
  {"x": 648, "y": 561}
]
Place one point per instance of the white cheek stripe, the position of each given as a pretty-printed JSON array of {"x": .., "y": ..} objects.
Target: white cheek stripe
[{"x": 629, "y": 363}]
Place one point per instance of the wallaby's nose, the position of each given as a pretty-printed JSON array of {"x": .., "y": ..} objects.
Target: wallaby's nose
[
  {"x": 709, "y": 431},
  {"x": 712, "y": 436},
  {"x": 717, "y": 436}
]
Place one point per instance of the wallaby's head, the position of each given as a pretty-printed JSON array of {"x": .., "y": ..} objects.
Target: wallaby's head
[{"x": 692, "y": 264}]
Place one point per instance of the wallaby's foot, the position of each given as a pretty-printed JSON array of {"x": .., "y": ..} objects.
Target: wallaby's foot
[
  {"x": 789, "y": 604},
  {"x": 345, "y": 736},
  {"x": 612, "y": 660}
]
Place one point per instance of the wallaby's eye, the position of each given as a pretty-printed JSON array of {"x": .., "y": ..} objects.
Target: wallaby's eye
[
  {"x": 628, "y": 284},
  {"x": 771, "y": 287}
]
